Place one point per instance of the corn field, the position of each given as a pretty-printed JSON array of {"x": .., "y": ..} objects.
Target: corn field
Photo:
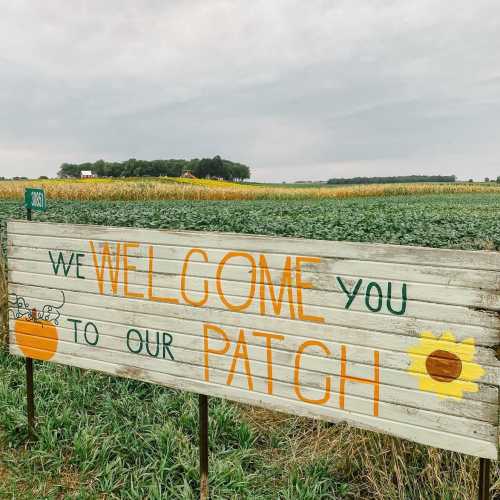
[{"x": 201, "y": 189}]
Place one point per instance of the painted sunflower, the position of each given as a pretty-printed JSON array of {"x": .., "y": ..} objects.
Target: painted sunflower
[{"x": 444, "y": 366}]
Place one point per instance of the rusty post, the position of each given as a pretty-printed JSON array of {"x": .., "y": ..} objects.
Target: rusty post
[
  {"x": 203, "y": 423},
  {"x": 30, "y": 397},
  {"x": 484, "y": 479}
]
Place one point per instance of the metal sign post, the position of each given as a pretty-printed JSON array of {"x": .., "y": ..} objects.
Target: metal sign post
[
  {"x": 30, "y": 397},
  {"x": 34, "y": 199},
  {"x": 203, "y": 422},
  {"x": 484, "y": 479}
]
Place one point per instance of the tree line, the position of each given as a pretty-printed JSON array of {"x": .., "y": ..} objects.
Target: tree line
[
  {"x": 201, "y": 168},
  {"x": 393, "y": 179}
]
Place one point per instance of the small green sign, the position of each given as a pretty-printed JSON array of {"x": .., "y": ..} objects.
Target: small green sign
[{"x": 34, "y": 199}]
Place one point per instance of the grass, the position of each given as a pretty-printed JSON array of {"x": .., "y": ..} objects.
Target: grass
[
  {"x": 200, "y": 189},
  {"x": 106, "y": 437}
]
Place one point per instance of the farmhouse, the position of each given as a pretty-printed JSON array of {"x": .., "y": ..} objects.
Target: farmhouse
[{"x": 86, "y": 174}]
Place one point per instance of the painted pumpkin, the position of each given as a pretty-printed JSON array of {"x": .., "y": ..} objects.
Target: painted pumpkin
[{"x": 36, "y": 339}]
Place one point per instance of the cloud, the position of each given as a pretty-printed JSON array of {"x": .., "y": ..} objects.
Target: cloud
[{"x": 291, "y": 88}]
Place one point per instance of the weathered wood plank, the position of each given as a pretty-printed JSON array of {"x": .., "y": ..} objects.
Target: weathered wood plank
[{"x": 475, "y": 260}]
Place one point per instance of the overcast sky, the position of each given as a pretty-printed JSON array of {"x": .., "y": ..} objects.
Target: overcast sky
[{"x": 294, "y": 89}]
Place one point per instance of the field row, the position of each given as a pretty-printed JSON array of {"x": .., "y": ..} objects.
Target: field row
[{"x": 200, "y": 189}]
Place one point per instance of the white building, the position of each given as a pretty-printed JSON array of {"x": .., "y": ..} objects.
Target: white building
[{"x": 86, "y": 174}]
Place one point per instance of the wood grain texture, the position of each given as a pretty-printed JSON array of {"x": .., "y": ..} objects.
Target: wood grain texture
[{"x": 396, "y": 339}]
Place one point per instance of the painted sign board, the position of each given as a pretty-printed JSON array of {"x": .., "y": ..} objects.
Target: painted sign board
[
  {"x": 400, "y": 340},
  {"x": 34, "y": 199}
]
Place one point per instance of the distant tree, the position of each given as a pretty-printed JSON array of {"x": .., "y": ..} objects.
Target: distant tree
[
  {"x": 202, "y": 168},
  {"x": 486, "y": 179},
  {"x": 393, "y": 179},
  {"x": 498, "y": 179},
  {"x": 471, "y": 180},
  {"x": 206, "y": 167},
  {"x": 98, "y": 168},
  {"x": 43, "y": 177},
  {"x": 217, "y": 168},
  {"x": 69, "y": 170},
  {"x": 130, "y": 165},
  {"x": 241, "y": 172}
]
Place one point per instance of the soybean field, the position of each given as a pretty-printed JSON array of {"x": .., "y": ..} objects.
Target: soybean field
[{"x": 470, "y": 221}]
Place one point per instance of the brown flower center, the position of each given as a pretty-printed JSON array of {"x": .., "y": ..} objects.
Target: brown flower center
[{"x": 443, "y": 366}]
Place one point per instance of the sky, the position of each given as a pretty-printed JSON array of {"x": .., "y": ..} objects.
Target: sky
[{"x": 296, "y": 90}]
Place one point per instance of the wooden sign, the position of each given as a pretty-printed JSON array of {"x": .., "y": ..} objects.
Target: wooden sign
[
  {"x": 400, "y": 340},
  {"x": 34, "y": 199}
]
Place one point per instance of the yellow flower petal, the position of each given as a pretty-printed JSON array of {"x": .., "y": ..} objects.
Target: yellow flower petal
[{"x": 436, "y": 382}]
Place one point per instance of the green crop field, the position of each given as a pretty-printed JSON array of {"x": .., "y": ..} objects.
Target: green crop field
[
  {"x": 105, "y": 437},
  {"x": 453, "y": 221}
]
